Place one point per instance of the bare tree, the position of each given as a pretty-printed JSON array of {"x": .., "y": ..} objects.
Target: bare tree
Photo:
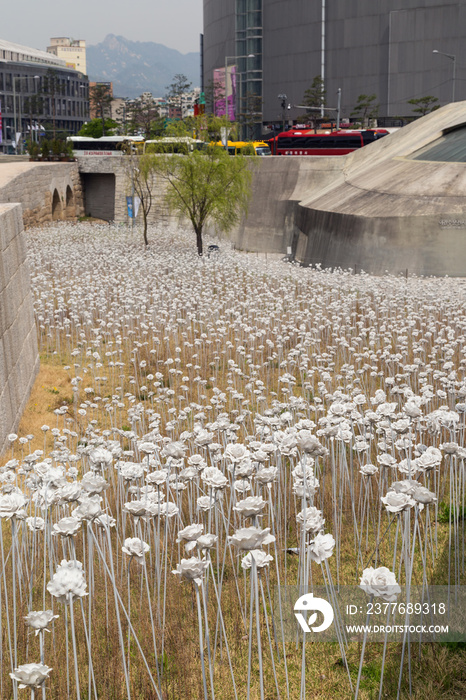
[
  {"x": 142, "y": 114},
  {"x": 141, "y": 177}
]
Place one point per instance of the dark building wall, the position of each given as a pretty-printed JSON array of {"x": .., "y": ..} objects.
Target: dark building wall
[
  {"x": 380, "y": 48},
  {"x": 219, "y": 21},
  {"x": 291, "y": 53}
]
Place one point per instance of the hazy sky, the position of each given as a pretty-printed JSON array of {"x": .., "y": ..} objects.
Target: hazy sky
[{"x": 174, "y": 23}]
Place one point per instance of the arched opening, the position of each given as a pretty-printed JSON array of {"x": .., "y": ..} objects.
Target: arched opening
[
  {"x": 70, "y": 203},
  {"x": 56, "y": 206}
]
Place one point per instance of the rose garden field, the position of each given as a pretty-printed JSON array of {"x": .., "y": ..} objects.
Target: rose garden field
[{"x": 206, "y": 433}]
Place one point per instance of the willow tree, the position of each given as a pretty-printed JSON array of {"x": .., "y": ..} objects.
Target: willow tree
[{"x": 206, "y": 187}]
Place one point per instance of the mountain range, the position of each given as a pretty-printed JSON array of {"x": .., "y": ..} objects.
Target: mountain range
[{"x": 135, "y": 67}]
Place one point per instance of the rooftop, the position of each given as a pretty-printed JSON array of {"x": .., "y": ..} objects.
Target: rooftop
[{"x": 18, "y": 53}]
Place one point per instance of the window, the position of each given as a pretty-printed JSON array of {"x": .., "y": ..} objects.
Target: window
[
  {"x": 348, "y": 141},
  {"x": 449, "y": 148}
]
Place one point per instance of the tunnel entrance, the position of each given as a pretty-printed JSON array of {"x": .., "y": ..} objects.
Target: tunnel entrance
[{"x": 99, "y": 195}]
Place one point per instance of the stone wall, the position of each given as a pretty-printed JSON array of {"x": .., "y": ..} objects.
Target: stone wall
[
  {"x": 46, "y": 191},
  {"x": 121, "y": 168},
  {"x": 19, "y": 358}
]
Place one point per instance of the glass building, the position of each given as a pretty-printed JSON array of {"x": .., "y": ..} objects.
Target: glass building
[{"x": 39, "y": 96}]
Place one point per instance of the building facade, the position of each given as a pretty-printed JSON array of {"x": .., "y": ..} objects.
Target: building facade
[
  {"x": 39, "y": 97},
  {"x": 72, "y": 51},
  {"x": 396, "y": 50}
]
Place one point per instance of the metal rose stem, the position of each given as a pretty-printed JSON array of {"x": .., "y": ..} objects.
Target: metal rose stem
[
  {"x": 280, "y": 607},
  {"x": 15, "y": 645},
  {"x": 361, "y": 661},
  {"x": 264, "y": 603},
  {"x": 258, "y": 629},
  {"x": 223, "y": 629},
  {"x": 340, "y": 630},
  {"x": 408, "y": 572},
  {"x": 75, "y": 653},
  {"x": 150, "y": 610},
  {"x": 201, "y": 641},
  {"x": 117, "y": 609},
  {"x": 7, "y": 607},
  {"x": 207, "y": 638},
  {"x": 251, "y": 611},
  {"x": 119, "y": 600}
]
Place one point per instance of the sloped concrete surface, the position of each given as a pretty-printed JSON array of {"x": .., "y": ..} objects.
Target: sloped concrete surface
[
  {"x": 386, "y": 211},
  {"x": 374, "y": 209}
]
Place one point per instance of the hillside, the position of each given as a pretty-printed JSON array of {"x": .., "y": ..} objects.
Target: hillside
[{"x": 135, "y": 67}]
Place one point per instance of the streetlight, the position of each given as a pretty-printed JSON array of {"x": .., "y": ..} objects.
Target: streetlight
[
  {"x": 9, "y": 128},
  {"x": 326, "y": 109},
  {"x": 15, "y": 78},
  {"x": 283, "y": 98},
  {"x": 452, "y": 58}
]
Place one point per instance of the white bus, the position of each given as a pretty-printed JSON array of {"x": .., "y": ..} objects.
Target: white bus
[
  {"x": 174, "y": 144},
  {"x": 105, "y": 145}
]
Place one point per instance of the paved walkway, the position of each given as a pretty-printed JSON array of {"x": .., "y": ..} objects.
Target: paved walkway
[{"x": 8, "y": 171}]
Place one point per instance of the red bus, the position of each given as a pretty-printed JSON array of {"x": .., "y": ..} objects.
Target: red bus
[{"x": 338, "y": 143}]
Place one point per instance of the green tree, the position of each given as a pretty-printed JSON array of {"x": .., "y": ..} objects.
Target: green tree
[
  {"x": 206, "y": 188},
  {"x": 424, "y": 105},
  {"x": 158, "y": 127},
  {"x": 314, "y": 97},
  {"x": 209, "y": 127},
  {"x": 365, "y": 109},
  {"x": 178, "y": 127},
  {"x": 100, "y": 99},
  {"x": 94, "y": 129}
]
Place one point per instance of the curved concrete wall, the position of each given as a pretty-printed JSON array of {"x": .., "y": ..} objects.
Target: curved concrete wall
[
  {"x": 19, "y": 359},
  {"x": 374, "y": 209},
  {"x": 279, "y": 184},
  {"x": 387, "y": 212}
]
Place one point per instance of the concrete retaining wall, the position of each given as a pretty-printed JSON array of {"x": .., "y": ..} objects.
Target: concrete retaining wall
[
  {"x": 278, "y": 186},
  {"x": 19, "y": 358}
]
